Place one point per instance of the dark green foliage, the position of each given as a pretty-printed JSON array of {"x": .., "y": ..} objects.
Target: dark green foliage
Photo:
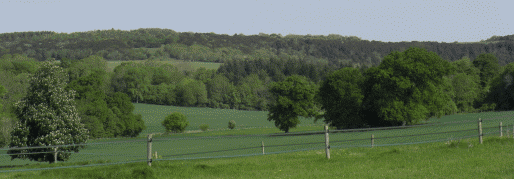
[
  {"x": 341, "y": 98},
  {"x": 204, "y": 127},
  {"x": 122, "y": 108},
  {"x": 2, "y": 93},
  {"x": 3, "y": 137},
  {"x": 18, "y": 64},
  {"x": 65, "y": 62},
  {"x": 466, "y": 84},
  {"x": 132, "y": 79},
  {"x": 86, "y": 66},
  {"x": 191, "y": 92},
  {"x": 406, "y": 87},
  {"x": 15, "y": 72},
  {"x": 489, "y": 68},
  {"x": 117, "y": 44},
  {"x": 501, "y": 91},
  {"x": 231, "y": 124},
  {"x": 175, "y": 122},
  {"x": 219, "y": 91},
  {"x": 292, "y": 98},
  {"x": 204, "y": 75},
  {"x": 47, "y": 116},
  {"x": 105, "y": 116}
]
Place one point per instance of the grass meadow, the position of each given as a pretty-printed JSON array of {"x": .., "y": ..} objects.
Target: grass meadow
[
  {"x": 180, "y": 64},
  {"x": 435, "y": 159}
]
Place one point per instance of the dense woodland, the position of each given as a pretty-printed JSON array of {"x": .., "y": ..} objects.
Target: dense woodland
[{"x": 347, "y": 75}]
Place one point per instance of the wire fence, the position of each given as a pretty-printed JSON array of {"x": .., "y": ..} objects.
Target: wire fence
[
  {"x": 256, "y": 135},
  {"x": 246, "y": 148}
]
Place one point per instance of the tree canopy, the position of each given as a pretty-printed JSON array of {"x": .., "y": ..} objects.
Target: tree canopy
[
  {"x": 341, "y": 97},
  {"x": 293, "y": 97},
  {"x": 406, "y": 86}
]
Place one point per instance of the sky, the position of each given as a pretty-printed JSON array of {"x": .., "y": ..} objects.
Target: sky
[{"x": 379, "y": 20}]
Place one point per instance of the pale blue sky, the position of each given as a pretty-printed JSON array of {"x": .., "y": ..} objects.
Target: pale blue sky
[{"x": 381, "y": 20}]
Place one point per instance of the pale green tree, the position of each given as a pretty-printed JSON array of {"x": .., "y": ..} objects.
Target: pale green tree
[{"x": 47, "y": 117}]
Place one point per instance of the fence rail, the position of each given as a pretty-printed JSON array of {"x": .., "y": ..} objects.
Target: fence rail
[{"x": 150, "y": 156}]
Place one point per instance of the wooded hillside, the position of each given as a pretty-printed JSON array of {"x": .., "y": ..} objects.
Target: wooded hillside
[{"x": 346, "y": 78}]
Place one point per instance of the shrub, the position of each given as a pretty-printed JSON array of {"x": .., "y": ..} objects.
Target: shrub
[
  {"x": 175, "y": 122},
  {"x": 204, "y": 127},
  {"x": 232, "y": 124}
]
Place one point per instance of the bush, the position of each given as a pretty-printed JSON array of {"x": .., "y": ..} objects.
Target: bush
[
  {"x": 204, "y": 127},
  {"x": 232, "y": 124},
  {"x": 175, "y": 122}
]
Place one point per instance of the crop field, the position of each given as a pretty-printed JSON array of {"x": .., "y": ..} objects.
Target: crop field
[
  {"x": 254, "y": 123},
  {"x": 451, "y": 159},
  {"x": 217, "y": 119}
]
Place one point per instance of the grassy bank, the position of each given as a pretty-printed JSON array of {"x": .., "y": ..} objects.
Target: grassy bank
[
  {"x": 180, "y": 64},
  {"x": 456, "y": 159}
]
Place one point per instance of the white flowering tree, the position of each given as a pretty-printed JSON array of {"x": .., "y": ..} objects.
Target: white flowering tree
[{"x": 47, "y": 117}]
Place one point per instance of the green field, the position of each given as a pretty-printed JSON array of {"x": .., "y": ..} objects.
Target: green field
[
  {"x": 176, "y": 147},
  {"x": 180, "y": 64},
  {"x": 456, "y": 159},
  {"x": 217, "y": 119}
]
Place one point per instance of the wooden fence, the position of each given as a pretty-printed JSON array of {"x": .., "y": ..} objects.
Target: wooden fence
[{"x": 327, "y": 145}]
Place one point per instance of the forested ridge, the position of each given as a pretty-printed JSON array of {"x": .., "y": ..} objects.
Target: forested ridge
[
  {"x": 210, "y": 47},
  {"x": 346, "y": 81}
]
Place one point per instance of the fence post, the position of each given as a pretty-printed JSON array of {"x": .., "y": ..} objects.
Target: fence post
[
  {"x": 372, "y": 140},
  {"x": 55, "y": 155},
  {"x": 327, "y": 146},
  {"x": 501, "y": 133},
  {"x": 149, "y": 149},
  {"x": 262, "y": 147},
  {"x": 480, "y": 130}
]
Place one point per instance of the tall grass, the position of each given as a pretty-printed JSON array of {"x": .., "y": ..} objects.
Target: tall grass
[{"x": 466, "y": 159}]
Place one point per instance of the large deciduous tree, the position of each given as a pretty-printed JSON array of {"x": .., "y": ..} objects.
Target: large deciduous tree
[
  {"x": 47, "y": 116},
  {"x": 501, "y": 90},
  {"x": 132, "y": 79},
  {"x": 341, "y": 98},
  {"x": 489, "y": 68},
  {"x": 191, "y": 92},
  {"x": 292, "y": 97},
  {"x": 219, "y": 90},
  {"x": 405, "y": 88},
  {"x": 466, "y": 84}
]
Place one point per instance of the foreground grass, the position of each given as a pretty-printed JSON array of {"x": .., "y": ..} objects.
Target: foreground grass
[{"x": 456, "y": 159}]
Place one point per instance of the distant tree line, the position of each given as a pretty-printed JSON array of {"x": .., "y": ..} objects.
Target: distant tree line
[{"x": 210, "y": 47}]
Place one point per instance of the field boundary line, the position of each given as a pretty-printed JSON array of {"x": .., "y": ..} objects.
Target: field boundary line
[{"x": 254, "y": 135}]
